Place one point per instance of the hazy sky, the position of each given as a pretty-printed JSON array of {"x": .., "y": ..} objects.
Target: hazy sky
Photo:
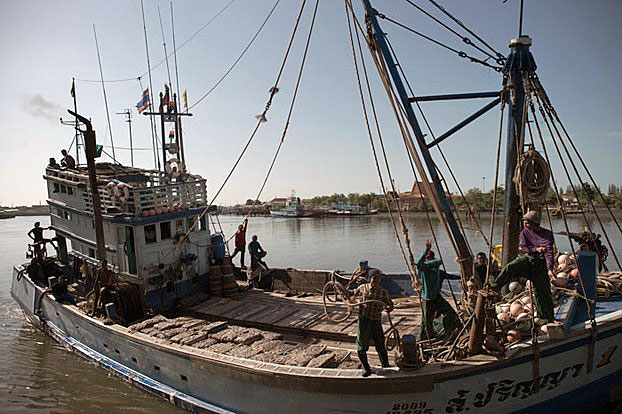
[{"x": 46, "y": 43}]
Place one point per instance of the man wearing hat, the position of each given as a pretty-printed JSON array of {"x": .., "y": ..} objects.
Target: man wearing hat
[
  {"x": 536, "y": 264},
  {"x": 376, "y": 299}
]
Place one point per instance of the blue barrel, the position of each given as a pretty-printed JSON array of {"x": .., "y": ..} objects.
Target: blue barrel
[{"x": 218, "y": 246}]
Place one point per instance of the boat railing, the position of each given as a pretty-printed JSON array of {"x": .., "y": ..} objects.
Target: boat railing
[{"x": 151, "y": 200}]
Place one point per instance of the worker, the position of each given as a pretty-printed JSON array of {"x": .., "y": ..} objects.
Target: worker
[
  {"x": 480, "y": 268},
  {"x": 67, "y": 161},
  {"x": 240, "y": 242},
  {"x": 433, "y": 302},
  {"x": 36, "y": 234},
  {"x": 53, "y": 163},
  {"x": 373, "y": 299},
  {"x": 536, "y": 264},
  {"x": 257, "y": 254}
]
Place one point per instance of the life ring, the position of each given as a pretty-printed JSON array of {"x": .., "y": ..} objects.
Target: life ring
[
  {"x": 125, "y": 188},
  {"x": 110, "y": 188},
  {"x": 173, "y": 168}
]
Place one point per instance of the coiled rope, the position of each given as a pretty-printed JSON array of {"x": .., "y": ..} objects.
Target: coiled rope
[{"x": 531, "y": 177}]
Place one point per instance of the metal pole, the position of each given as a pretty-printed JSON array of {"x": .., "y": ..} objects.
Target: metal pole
[
  {"x": 89, "y": 143},
  {"x": 519, "y": 61},
  {"x": 162, "y": 114},
  {"x": 443, "y": 208},
  {"x": 75, "y": 109},
  {"x": 129, "y": 121}
]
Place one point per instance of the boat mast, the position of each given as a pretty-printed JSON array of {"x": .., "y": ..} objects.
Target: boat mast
[
  {"x": 89, "y": 143},
  {"x": 437, "y": 194},
  {"x": 520, "y": 63}
]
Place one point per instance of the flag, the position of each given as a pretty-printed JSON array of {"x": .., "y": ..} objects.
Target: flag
[
  {"x": 98, "y": 150},
  {"x": 73, "y": 89},
  {"x": 185, "y": 96},
  {"x": 144, "y": 102},
  {"x": 166, "y": 97}
]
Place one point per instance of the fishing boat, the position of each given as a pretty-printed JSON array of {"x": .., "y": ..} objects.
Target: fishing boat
[
  {"x": 293, "y": 208},
  {"x": 142, "y": 286}
]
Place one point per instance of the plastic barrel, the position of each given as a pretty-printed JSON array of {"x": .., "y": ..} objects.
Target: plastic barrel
[
  {"x": 218, "y": 246},
  {"x": 215, "y": 281},
  {"x": 230, "y": 286}
]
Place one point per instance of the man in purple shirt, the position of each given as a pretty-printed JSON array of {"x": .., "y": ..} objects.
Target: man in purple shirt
[{"x": 536, "y": 264}]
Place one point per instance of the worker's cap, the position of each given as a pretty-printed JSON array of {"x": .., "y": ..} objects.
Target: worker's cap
[
  {"x": 364, "y": 264},
  {"x": 532, "y": 216}
]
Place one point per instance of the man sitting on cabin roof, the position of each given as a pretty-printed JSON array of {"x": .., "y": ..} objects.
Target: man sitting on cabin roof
[
  {"x": 67, "y": 161},
  {"x": 373, "y": 299},
  {"x": 536, "y": 264},
  {"x": 433, "y": 303}
]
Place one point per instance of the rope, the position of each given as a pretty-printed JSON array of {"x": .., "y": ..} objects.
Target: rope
[
  {"x": 222, "y": 78},
  {"x": 261, "y": 118},
  {"x": 369, "y": 133},
  {"x": 500, "y": 57},
  {"x": 175, "y": 50},
  {"x": 532, "y": 176},
  {"x": 465, "y": 39},
  {"x": 456, "y": 51}
]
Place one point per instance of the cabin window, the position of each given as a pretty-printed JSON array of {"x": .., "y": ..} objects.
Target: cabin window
[
  {"x": 191, "y": 221},
  {"x": 59, "y": 212},
  {"x": 150, "y": 234},
  {"x": 69, "y": 190},
  {"x": 202, "y": 222},
  {"x": 56, "y": 188},
  {"x": 66, "y": 215},
  {"x": 91, "y": 253},
  {"x": 179, "y": 226},
  {"x": 63, "y": 189},
  {"x": 165, "y": 230}
]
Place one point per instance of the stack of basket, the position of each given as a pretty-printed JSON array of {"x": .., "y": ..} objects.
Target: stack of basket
[
  {"x": 230, "y": 286},
  {"x": 215, "y": 280}
]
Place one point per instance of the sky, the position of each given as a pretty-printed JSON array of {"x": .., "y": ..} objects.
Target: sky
[{"x": 326, "y": 149}]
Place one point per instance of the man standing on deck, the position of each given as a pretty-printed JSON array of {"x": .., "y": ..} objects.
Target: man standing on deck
[
  {"x": 240, "y": 242},
  {"x": 536, "y": 264},
  {"x": 67, "y": 161},
  {"x": 432, "y": 301},
  {"x": 36, "y": 234},
  {"x": 375, "y": 299}
]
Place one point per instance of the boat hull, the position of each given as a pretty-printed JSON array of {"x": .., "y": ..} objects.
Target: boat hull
[{"x": 202, "y": 381}]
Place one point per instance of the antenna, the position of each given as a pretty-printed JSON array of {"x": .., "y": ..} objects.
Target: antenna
[
  {"x": 128, "y": 113},
  {"x": 520, "y": 21}
]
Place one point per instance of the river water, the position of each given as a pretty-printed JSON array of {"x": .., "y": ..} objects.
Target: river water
[{"x": 41, "y": 376}]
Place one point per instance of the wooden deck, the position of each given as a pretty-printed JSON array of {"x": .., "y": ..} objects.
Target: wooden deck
[{"x": 301, "y": 316}]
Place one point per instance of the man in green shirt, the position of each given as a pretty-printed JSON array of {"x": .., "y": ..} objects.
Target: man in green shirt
[{"x": 432, "y": 301}]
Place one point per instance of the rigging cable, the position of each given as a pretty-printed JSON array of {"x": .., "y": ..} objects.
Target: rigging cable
[
  {"x": 539, "y": 90},
  {"x": 163, "y": 60},
  {"x": 464, "y": 39},
  {"x": 425, "y": 119},
  {"x": 168, "y": 69},
  {"x": 174, "y": 50},
  {"x": 554, "y": 113},
  {"x": 222, "y": 78},
  {"x": 500, "y": 57},
  {"x": 409, "y": 263},
  {"x": 261, "y": 118},
  {"x": 289, "y": 114},
  {"x": 154, "y": 133},
  {"x": 460, "y": 53},
  {"x": 101, "y": 72}
]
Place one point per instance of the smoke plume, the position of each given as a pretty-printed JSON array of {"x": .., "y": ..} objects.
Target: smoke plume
[{"x": 37, "y": 106}]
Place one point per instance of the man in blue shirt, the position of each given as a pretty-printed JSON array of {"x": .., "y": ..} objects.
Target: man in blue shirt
[{"x": 432, "y": 301}]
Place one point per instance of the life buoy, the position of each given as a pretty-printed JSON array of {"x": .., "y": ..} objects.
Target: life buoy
[
  {"x": 125, "y": 188},
  {"x": 173, "y": 167}
]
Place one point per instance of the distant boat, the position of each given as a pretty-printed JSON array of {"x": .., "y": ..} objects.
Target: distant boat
[
  {"x": 351, "y": 210},
  {"x": 293, "y": 208},
  {"x": 7, "y": 214}
]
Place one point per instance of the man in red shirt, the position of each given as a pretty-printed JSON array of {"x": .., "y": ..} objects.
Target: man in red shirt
[{"x": 240, "y": 242}]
